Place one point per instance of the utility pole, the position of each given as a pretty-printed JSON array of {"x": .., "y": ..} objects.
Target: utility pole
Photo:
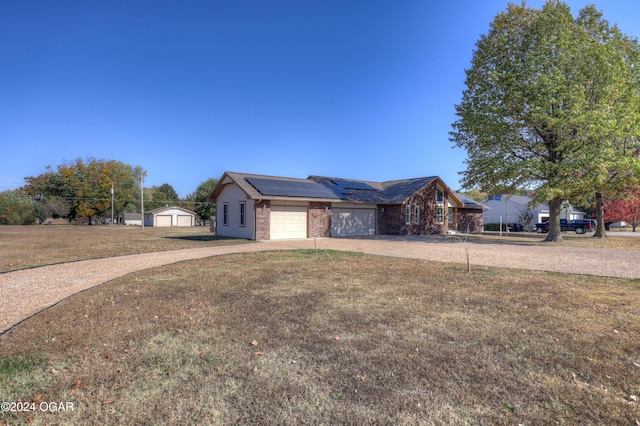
[
  {"x": 142, "y": 175},
  {"x": 111, "y": 223}
]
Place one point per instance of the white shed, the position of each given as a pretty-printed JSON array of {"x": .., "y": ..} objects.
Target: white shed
[{"x": 169, "y": 216}]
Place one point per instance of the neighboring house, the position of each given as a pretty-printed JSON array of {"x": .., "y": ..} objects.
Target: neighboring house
[
  {"x": 511, "y": 207},
  {"x": 131, "y": 219},
  {"x": 169, "y": 216},
  {"x": 269, "y": 207}
]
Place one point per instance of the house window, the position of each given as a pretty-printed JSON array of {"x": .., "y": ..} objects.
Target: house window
[
  {"x": 242, "y": 213},
  {"x": 416, "y": 215},
  {"x": 439, "y": 206},
  {"x": 225, "y": 214},
  {"x": 407, "y": 214}
]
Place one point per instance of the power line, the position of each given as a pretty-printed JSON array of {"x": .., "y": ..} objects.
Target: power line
[{"x": 124, "y": 200}]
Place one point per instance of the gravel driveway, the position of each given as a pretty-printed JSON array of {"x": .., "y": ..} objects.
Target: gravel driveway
[{"x": 26, "y": 292}]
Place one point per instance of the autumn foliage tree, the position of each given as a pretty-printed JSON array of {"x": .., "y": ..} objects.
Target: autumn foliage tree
[
  {"x": 83, "y": 187},
  {"x": 624, "y": 211}
]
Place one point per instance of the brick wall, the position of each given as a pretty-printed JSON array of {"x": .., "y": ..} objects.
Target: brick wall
[
  {"x": 469, "y": 220},
  {"x": 426, "y": 199},
  {"x": 392, "y": 221},
  {"x": 320, "y": 219},
  {"x": 263, "y": 220}
]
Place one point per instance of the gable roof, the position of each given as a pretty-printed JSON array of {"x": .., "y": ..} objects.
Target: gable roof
[
  {"x": 162, "y": 209},
  {"x": 322, "y": 188},
  {"x": 522, "y": 200}
]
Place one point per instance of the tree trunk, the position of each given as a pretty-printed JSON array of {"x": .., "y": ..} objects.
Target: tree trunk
[
  {"x": 601, "y": 232},
  {"x": 554, "y": 234}
]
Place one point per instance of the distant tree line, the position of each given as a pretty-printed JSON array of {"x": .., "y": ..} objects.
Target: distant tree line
[{"x": 81, "y": 191}]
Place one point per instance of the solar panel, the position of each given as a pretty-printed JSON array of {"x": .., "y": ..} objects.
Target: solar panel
[
  {"x": 349, "y": 184},
  {"x": 285, "y": 188}
]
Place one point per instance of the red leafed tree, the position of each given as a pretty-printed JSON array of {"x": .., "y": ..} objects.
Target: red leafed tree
[{"x": 624, "y": 210}]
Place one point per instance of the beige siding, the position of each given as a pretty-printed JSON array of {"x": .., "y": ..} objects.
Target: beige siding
[{"x": 233, "y": 195}]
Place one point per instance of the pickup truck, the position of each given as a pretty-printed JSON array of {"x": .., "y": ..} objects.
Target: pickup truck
[{"x": 580, "y": 226}]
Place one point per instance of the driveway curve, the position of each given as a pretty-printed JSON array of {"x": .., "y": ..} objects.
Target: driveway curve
[{"x": 26, "y": 292}]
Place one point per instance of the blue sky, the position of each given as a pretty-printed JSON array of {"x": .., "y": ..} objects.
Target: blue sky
[{"x": 361, "y": 89}]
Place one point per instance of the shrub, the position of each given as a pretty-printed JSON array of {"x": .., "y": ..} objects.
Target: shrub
[{"x": 495, "y": 227}]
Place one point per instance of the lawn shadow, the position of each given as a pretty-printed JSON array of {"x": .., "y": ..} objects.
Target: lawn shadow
[
  {"x": 456, "y": 238},
  {"x": 204, "y": 238}
]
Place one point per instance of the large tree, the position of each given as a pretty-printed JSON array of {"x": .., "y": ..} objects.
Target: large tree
[
  {"x": 82, "y": 188},
  {"x": 615, "y": 169},
  {"x": 550, "y": 102}
]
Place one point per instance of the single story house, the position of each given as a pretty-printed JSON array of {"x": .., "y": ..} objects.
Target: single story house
[
  {"x": 169, "y": 216},
  {"x": 512, "y": 208},
  {"x": 269, "y": 207}
]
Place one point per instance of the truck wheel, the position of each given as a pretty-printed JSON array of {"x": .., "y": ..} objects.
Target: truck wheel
[
  {"x": 540, "y": 230},
  {"x": 579, "y": 230}
]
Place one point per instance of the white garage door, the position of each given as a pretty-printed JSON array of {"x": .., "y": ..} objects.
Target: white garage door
[
  {"x": 184, "y": 220},
  {"x": 288, "y": 222},
  {"x": 163, "y": 220},
  {"x": 352, "y": 222}
]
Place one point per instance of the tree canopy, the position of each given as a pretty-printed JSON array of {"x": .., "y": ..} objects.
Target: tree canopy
[
  {"x": 203, "y": 208},
  {"x": 17, "y": 208},
  {"x": 624, "y": 211},
  {"x": 161, "y": 196},
  {"x": 552, "y": 103},
  {"x": 82, "y": 188}
]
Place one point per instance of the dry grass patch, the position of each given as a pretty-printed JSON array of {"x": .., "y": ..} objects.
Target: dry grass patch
[
  {"x": 333, "y": 338},
  {"x": 570, "y": 239},
  {"x": 28, "y": 246}
]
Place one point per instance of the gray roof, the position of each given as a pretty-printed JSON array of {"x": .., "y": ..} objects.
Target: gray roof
[{"x": 471, "y": 204}]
